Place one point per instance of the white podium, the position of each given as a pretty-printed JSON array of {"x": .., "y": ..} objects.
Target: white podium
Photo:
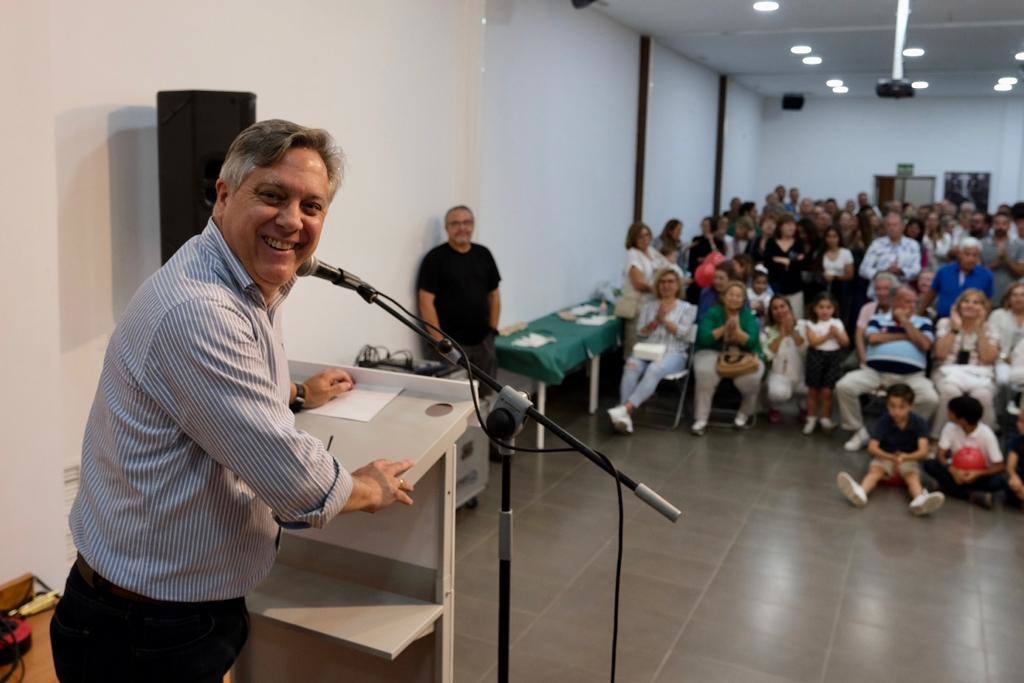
[{"x": 369, "y": 597}]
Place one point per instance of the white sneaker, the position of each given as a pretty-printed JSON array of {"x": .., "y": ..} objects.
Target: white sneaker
[
  {"x": 858, "y": 441},
  {"x": 741, "y": 421},
  {"x": 927, "y": 503},
  {"x": 852, "y": 490},
  {"x": 699, "y": 427},
  {"x": 827, "y": 425},
  {"x": 809, "y": 426},
  {"x": 620, "y": 419}
]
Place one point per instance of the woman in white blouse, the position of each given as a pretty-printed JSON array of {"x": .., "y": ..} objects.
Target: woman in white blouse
[
  {"x": 936, "y": 241},
  {"x": 966, "y": 349},
  {"x": 642, "y": 260},
  {"x": 662, "y": 321},
  {"x": 1008, "y": 322}
]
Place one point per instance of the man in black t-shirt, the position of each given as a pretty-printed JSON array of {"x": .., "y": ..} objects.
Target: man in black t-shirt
[{"x": 458, "y": 290}]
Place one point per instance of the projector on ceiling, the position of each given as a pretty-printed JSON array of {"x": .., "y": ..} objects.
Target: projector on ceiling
[{"x": 890, "y": 87}]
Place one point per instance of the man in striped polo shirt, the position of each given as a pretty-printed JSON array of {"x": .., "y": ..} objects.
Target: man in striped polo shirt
[
  {"x": 191, "y": 461},
  {"x": 897, "y": 352}
]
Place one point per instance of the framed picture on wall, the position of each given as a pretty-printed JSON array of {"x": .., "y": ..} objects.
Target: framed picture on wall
[{"x": 963, "y": 187}]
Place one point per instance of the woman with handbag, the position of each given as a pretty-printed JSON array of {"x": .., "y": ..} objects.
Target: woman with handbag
[
  {"x": 642, "y": 259},
  {"x": 728, "y": 346},
  {"x": 662, "y": 326}
]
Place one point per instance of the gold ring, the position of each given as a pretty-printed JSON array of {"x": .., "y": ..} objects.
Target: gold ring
[{"x": 401, "y": 483}]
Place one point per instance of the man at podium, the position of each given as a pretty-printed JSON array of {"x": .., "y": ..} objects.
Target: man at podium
[{"x": 191, "y": 461}]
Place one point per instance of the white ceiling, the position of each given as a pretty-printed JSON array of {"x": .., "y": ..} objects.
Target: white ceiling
[{"x": 968, "y": 44}]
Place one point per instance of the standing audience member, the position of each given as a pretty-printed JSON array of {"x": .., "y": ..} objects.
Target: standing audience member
[
  {"x": 665, "y": 320},
  {"x": 954, "y": 278},
  {"x": 784, "y": 344},
  {"x": 1003, "y": 255},
  {"x": 757, "y": 246},
  {"x": 936, "y": 241},
  {"x": 966, "y": 350},
  {"x": 1017, "y": 214},
  {"x": 642, "y": 260},
  {"x": 730, "y": 324},
  {"x": 760, "y": 293},
  {"x": 965, "y": 431},
  {"x": 458, "y": 290},
  {"x": 784, "y": 257},
  {"x": 893, "y": 253},
  {"x": 899, "y": 442},
  {"x": 712, "y": 296},
  {"x": 794, "y": 200},
  {"x": 700, "y": 248},
  {"x": 897, "y": 353},
  {"x": 826, "y": 339},
  {"x": 670, "y": 243}
]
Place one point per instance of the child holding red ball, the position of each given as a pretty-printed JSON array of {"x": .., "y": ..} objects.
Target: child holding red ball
[{"x": 953, "y": 468}]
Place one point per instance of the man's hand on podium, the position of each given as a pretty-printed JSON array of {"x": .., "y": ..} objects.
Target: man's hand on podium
[
  {"x": 323, "y": 386},
  {"x": 378, "y": 485}
]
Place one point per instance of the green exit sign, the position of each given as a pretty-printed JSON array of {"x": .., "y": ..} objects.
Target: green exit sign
[{"x": 904, "y": 170}]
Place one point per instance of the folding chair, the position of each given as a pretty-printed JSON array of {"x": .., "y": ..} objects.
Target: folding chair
[{"x": 681, "y": 380}]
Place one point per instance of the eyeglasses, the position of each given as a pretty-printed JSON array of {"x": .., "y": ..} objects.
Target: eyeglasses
[{"x": 460, "y": 224}]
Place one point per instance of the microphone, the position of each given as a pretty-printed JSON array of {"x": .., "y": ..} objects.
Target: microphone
[{"x": 336, "y": 276}]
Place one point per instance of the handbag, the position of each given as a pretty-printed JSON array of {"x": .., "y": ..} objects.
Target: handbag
[
  {"x": 649, "y": 351},
  {"x": 732, "y": 363},
  {"x": 627, "y": 305}
]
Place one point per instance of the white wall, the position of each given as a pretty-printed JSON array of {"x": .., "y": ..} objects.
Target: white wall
[
  {"x": 835, "y": 147},
  {"x": 559, "y": 139},
  {"x": 682, "y": 125},
  {"x": 742, "y": 144}
]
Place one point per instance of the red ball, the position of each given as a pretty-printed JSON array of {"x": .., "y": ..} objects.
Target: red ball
[
  {"x": 970, "y": 458},
  {"x": 705, "y": 272}
]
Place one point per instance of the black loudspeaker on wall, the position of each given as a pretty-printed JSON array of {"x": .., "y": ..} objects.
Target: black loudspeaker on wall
[
  {"x": 792, "y": 102},
  {"x": 194, "y": 130}
]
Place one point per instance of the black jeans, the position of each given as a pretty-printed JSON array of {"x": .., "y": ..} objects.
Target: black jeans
[
  {"x": 948, "y": 485},
  {"x": 101, "y": 637},
  {"x": 485, "y": 357}
]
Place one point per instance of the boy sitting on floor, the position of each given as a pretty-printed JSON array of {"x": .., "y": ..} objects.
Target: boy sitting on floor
[
  {"x": 899, "y": 441},
  {"x": 965, "y": 431},
  {"x": 1015, "y": 468}
]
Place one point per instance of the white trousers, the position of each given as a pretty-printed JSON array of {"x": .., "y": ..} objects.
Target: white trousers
[
  {"x": 854, "y": 384},
  {"x": 707, "y": 379}
]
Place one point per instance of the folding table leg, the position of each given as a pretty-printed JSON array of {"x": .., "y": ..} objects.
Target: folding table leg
[
  {"x": 595, "y": 375},
  {"x": 542, "y": 399}
]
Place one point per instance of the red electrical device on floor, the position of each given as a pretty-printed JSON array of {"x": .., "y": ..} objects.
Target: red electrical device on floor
[{"x": 16, "y": 633}]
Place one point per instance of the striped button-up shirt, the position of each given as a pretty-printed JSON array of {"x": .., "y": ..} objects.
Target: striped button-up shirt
[
  {"x": 191, "y": 455},
  {"x": 883, "y": 253}
]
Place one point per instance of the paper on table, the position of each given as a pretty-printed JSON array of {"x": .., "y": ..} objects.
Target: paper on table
[
  {"x": 361, "y": 404},
  {"x": 595, "y": 320},
  {"x": 584, "y": 309},
  {"x": 532, "y": 340}
]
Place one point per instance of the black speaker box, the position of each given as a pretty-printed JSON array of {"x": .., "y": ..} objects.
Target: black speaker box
[
  {"x": 194, "y": 130},
  {"x": 791, "y": 102}
]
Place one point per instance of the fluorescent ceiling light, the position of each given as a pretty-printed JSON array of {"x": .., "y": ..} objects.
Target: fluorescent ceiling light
[
  {"x": 1008, "y": 80},
  {"x": 806, "y": 50},
  {"x": 1003, "y": 87},
  {"x": 812, "y": 61},
  {"x": 834, "y": 83},
  {"x": 919, "y": 85},
  {"x": 766, "y": 6},
  {"x": 840, "y": 90},
  {"x": 913, "y": 52}
]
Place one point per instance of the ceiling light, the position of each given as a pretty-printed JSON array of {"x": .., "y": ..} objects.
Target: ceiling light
[
  {"x": 834, "y": 83},
  {"x": 1003, "y": 87},
  {"x": 1019, "y": 56},
  {"x": 919, "y": 85},
  {"x": 840, "y": 90},
  {"x": 812, "y": 61},
  {"x": 766, "y": 6},
  {"x": 806, "y": 50},
  {"x": 913, "y": 52},
  {"x": 1008, "y": 80}
]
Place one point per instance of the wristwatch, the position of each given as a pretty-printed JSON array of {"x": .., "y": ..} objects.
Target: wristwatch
[{"x": 300, "y": 398}]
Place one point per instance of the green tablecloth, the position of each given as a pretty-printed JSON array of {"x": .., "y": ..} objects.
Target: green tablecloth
[{"x": 573, "y": 345}]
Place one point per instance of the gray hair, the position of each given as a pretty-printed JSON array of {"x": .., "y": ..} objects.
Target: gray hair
[
  {"x": 264, "y": 143},
  {"x": 886, "y": 275},
  {"x": 970, "y": 243}
]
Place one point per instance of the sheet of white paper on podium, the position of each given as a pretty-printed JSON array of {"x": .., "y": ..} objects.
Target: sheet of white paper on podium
[{"x": 361, "y": 404}]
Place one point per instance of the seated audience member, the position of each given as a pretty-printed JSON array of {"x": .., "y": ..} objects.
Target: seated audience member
[
  {"x": 722, "y": 234},
  {"x": 924, "y": 283},
  {"x": 894, "y": 253},
  {"x": 827, "y": 341},
  {"x": 758, "y": 245},
  {"x": 759, "y": 293},
  {"x": 701, "y": 246},
  {"x": 712, "y": 296},
  {"x": 954, "y": 278},
  {"x": 899, "y": 442},
  {"x": 670, "y": 242},
  {"x": 897, "y": 353},
  {"x": 784, "y": 343},
  {"x": 964, "y": 430},
  {"x": 884, "y": 285},
  {"x": 1008, "y": 323},
  {"x": 1015, "y": 467},
  {"x": 748, "y": 222},
  {"x": 743, "y": 268},
  {"x": 965, "y": 352},
  {"x": 1003, "y": 255},
  {"x": 665, "y": 320},
  {"x": 730, "y": 324},
  {"x": 784, "y": 258},
  {"x": 836, "y": 260},
  {"x": 642, "y": 260}
]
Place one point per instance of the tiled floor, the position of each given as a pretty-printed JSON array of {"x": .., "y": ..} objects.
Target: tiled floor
[{"x": 770, "y": 575}]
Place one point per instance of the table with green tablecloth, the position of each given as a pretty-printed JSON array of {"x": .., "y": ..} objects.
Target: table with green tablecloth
[{"x": 574, "y": 345}]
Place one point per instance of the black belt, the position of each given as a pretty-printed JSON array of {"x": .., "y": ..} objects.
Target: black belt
[{"x": 100, "y": 584}]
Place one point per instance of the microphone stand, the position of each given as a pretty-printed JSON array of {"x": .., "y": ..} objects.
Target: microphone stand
[{"x": 503, "y": 422}]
